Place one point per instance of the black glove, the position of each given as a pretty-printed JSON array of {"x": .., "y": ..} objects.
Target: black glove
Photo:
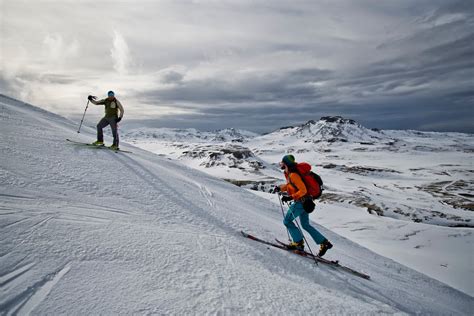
[
  {"x": 118, "y": 120},
  {"x": 91, "y": 97},
  {"x": 275, "y": 189},
  {"x": 286, "y": 199}
]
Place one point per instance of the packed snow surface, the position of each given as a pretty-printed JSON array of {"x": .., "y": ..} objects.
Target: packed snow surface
[{"x": 89, "y": 231}]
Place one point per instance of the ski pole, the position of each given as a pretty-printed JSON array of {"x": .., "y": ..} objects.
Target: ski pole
[
  {"x": 283, "y": 214},
  {"x": 79, "y": 130}
]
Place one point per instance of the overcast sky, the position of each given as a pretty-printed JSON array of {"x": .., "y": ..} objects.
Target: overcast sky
[{"x": 255, "y": 65}]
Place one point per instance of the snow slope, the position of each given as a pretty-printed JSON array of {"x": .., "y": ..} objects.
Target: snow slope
[
  {"x": 407, "y": 195},
  {"x": 219, "y": 153},
  {"x": 90, "y": 231}
]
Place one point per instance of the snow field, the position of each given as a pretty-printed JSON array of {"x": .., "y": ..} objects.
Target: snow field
[{"x": 90, "y": 231}]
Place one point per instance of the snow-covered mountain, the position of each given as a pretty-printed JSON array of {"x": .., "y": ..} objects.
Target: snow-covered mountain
[
  {"x": 88, "y": 231},
  {"x": 330, "y": 129},
  {"x": 378, "y": 170},
  {"x": 411, "y": 175},
  {"x": 172, "y": 135},
  {"x": 220, "y": 153}
]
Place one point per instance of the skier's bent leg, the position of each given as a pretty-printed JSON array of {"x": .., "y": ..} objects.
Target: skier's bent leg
[
  {"x": 317, "y": 236},
  {"x": 291, "y": 215}
]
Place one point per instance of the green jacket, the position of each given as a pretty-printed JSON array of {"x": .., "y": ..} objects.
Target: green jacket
[{"x": 112, "y": 107}]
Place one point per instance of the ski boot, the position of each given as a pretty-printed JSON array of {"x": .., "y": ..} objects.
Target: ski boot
[
  {"x": 325, "y": 246},
  {"x": 297, "y": 245},
  {"x": 98, "y": 143},
  {"x": 114, "y": 147}
]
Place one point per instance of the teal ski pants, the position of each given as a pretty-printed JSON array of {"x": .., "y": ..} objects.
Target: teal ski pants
[{"x": 296, "y": 210}]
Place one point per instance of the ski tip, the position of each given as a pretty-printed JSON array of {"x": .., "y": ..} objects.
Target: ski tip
[{"x": 248, "y": 235}]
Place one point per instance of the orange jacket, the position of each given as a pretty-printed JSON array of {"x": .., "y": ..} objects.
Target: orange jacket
[{"x": 294, "y": 186}]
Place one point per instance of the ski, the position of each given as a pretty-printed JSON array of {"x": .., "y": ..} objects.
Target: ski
[
  {"x": 301, "y": 253},
  {"x": 99, "y": 147},
  {"x": 283, "y": 246},
  {"x": 334, "y": 263}
]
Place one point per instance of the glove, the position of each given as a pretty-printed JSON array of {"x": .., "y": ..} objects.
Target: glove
[
  {"x": 91, "y": 97},
  {"x": 275, "y": 189},
  {"x": 118, "y": 120},
  {"x": 286, "y": 199}
]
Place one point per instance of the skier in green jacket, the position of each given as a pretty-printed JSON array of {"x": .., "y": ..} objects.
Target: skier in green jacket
[{"x": 113, "y": 115}]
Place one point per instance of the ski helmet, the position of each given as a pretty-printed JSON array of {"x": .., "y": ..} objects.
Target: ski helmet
[{"x": 110, "y": 93}]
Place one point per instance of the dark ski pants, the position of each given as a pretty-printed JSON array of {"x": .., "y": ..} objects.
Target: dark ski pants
[
  {"x": 113, "y": 124},
  {"x": 296, "y": 210}
]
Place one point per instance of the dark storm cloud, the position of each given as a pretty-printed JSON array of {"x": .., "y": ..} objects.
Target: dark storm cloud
[
  {"x": 257, "y": 87},
  {"x": 247, "y": 64},
  {"x": 462, "y": 97},
  {"x": 434, "y": 70},
  {"x": 442, "y": 73},
  {"x": 460, "y": 6},
  {"x": 172, "y": 77},
  {"x": 424, "y": 114}
]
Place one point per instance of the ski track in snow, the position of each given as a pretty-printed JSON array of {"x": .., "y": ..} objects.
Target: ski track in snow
[
  {"x": 98, "y": 232},
  {"x": 26, "y": 301}
]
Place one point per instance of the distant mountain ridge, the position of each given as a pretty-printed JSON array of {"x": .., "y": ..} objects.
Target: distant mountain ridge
[
  {"x": 332, "y": 129},
  {"x": 213, "y": 151},
  {"x": 190, "y": 134},
  {"x": 397, "y": 163}
]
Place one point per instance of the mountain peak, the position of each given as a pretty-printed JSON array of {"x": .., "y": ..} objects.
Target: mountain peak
[
  {"x": 323, "y": 120},
  {"x": 333, "y": 129},
  {"x": 337, "y": 119}
]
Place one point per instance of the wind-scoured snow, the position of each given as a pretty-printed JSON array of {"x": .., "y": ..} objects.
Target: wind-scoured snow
[{"x": 89, "y": 231}]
